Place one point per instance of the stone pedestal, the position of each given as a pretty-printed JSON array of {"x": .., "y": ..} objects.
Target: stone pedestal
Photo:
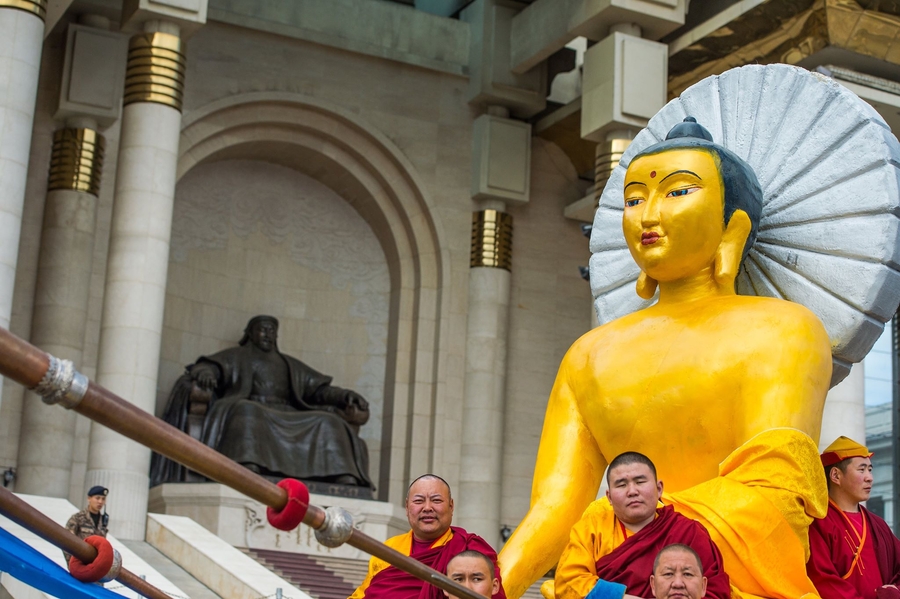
[{"x": 241, "y": 521}]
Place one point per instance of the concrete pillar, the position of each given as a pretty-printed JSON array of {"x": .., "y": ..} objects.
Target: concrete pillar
[
  {"x": 131, "y": 324},
  {"x": 61, "y": 302},
  {"x": 845, "y": 409},
  {"x": 21, "y": 41},
  {"x": 478, "y": 509}
]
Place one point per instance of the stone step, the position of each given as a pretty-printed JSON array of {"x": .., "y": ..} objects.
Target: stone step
[{"x": 341, "y": 575}]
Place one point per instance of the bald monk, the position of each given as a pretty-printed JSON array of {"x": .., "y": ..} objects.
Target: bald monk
[
  {"x": 721, "y": 391},
  {"x": 613, "y": 548},
  {"x": 431, "y": 540},
  {"x": 855, "y": 555}
]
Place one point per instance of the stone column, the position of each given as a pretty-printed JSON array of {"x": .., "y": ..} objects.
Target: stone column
[
  {"x": 21, "y": 41},
  {"x": 485, "y": 387},
  {"x": 845, "y": 409},
  {"x": 61, "y": 302},
  {"x": 131, "y": 324}
]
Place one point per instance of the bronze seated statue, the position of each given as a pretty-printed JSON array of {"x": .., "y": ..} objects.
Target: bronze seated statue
[{"x": 270, "y": 412}]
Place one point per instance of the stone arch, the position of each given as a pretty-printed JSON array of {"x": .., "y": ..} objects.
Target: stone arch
[{"x": 364, "y": 167}]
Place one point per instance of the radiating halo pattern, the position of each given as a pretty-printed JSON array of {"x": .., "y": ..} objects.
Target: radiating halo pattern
[{"x": 829, "y": 168}]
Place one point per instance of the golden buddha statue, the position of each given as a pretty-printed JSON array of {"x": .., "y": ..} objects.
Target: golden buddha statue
[{"x": 721, "y": 391}]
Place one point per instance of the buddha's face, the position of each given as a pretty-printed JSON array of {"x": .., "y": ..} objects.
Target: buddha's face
[{"x": 674, "y": 212}]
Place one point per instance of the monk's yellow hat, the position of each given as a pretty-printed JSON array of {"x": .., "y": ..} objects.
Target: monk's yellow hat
[{"x": 844, "y": 448}]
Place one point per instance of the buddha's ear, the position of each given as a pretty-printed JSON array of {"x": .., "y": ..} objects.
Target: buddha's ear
[
  {"x": 646, "y": 286},
  {"x": 731, "y": 249}
]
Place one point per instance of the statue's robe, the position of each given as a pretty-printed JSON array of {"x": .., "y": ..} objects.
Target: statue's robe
[
  {"x": 600, "y": 547},
  {"x": 758, "y": 512},
  {"x": 384, "y": 581},
  {"x": 833, "y": 565},
  {"x": 301, "y": 438}
]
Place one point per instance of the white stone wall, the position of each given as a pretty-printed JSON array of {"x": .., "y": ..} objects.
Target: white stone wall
[
  {"x": 251, "y": 238},
  {"x": 425, "y": 116}
]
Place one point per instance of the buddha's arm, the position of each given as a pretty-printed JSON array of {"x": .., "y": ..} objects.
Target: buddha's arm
[
  {"x": 787, "y": 382},
  {"x": 566, "y": 478}
]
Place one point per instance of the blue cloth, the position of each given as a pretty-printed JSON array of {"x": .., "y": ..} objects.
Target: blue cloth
[
  {"x": 607, "y": 590},
  {"x": 20, "y": 561}
]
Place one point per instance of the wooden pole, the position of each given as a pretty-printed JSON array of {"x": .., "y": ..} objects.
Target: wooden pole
[
  {"x": 27, "y": 365},
  {"x": 26, "y": 516}
]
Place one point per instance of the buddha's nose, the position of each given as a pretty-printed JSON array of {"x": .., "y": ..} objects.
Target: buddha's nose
[{"x": 650, "y": 215}]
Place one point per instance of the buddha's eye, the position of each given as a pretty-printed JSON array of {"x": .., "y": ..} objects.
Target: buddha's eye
[
  {"x": 681, "y": 192},
  {"x": 634, "y": 202}
]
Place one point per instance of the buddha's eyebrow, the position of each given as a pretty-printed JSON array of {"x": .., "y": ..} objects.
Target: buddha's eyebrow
[
  {"x": 678, "y": 172},
  {"x": 636, "y": 183}
]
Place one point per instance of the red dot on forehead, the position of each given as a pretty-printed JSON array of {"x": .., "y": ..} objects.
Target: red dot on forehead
[{"x": 652, "y": 174}]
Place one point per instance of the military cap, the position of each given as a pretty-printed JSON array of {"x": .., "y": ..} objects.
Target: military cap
[{"x": 98, "y": 490}]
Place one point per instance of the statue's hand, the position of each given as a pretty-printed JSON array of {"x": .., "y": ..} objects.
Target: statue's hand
[
  {"x": 354, "y": 400},
  {"x": 204, "y": 378}
]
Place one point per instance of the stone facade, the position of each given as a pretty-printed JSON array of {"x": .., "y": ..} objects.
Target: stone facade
[{"x": 324, "y": 175}]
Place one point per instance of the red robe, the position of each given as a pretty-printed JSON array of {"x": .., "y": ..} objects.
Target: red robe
[
  {"x": 831, "y": 557},
  {"x": 632, "y": 562},
  {"x": 392, "y": 583}
]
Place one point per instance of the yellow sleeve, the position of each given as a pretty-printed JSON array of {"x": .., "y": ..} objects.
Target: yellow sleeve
[
  {"x": 401, "y": 543},
  {"x": 576, "y": 573}
]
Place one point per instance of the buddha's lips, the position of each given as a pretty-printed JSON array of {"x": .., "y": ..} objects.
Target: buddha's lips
[{"x": 648, "y": 238}]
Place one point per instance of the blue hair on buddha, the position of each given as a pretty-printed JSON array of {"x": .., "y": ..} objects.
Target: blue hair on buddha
[{"x": 742, "y": 189}]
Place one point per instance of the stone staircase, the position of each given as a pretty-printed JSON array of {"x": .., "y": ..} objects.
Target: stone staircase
[{"x": 325, "y": 577}]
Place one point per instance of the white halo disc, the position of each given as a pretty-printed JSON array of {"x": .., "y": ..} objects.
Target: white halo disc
[{"x": 828, "y": 165}]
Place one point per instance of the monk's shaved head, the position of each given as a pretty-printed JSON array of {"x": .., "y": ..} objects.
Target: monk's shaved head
[
  {"x": 429, "y": 477},
  {"x": 677, "y": 547},
  {"x": 628, "y": 458}
]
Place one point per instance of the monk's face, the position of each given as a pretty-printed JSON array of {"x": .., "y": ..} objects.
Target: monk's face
[
  {"x": 472, "y": 573},
  {"x": 856, "y": 481},
  {"x": 674, "y": 212},
  {"x": 678, "y": 576},
  {"x": 264, "y": 335},
  {"x": 429, "y": 509},
  {"x": 634, "y": 493}
]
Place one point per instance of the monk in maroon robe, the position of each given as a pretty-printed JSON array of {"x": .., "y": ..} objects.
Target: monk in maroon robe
[
  {"x": 612, "y": 548},
  {"x": 853, "y": 553},
  {"x": 431, "y": 540}
]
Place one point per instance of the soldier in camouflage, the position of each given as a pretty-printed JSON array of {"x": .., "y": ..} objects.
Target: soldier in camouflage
[{"x": 91, "y": 520}]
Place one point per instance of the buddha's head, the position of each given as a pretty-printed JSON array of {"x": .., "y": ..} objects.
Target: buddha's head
[{"x": 690, "y": 205}]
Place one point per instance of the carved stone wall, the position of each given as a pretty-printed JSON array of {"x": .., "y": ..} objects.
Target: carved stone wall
[{"x": 251, "y": 237}]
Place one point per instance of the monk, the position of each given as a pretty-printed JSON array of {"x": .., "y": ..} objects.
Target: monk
[
  {"x": 474, "y": 570},
  {"x": 612, "y": 549},
  {"x": 854, "y": 553},
  {"x": 431, "y": 540},
  {"x": 723, "y": 392},
  {"x": 678, "y": 574}
]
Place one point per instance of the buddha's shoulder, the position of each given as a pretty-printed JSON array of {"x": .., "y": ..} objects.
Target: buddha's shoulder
[{"x": 770, "y": 312}]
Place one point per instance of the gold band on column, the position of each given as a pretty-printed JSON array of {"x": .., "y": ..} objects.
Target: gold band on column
[
  {"x": 491, "y": 239},
  {"x": 77, "y": 160},
  {"x": 155, "y": 71},
  {"x": 607, "y": 159},
  {"x": 35, "y": 7}
]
